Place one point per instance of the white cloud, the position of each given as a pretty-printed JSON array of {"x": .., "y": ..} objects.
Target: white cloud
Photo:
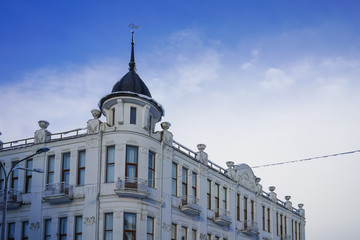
[{"x": 276, "y": 78}]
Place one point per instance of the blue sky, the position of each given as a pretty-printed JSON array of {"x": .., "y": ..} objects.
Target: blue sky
[{"x": 257, "y": 81}]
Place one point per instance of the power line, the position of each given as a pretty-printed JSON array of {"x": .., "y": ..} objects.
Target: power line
[{"x": 306, "y": 159}]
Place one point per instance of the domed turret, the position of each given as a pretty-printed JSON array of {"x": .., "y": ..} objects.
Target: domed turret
[{"x": 130, "y": 103}]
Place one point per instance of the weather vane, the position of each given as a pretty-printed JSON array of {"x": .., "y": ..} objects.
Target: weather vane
[{"x": 133, "y": 26}]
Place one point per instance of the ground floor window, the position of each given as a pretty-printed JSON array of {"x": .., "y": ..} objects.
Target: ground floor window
[{"x": 129, "y": 226}]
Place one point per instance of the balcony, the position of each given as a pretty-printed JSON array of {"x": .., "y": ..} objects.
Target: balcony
[
  {"x": 13, "y": 199},
  {"x": 222, "y": 217},
  {"x": 57, "y": 193},
  {"x": 250, "y": 227},
  {"x": 190, "y": 205},
  {"x": 132, "y": 187}
]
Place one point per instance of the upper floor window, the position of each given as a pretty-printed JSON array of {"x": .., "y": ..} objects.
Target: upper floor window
[
  {"x": 281, "y": 225},
  {"x": 183, "y": 233},
  {"x": 14, "y": 178},
  {"x": 81, "y": 168},
  {"x": 245, "y": 209},
  {"x": 150, "y": 229},
  {"x": 131, "y": 163},
  {"x": 28, "y": 176},
  {"x": 110, "y": 162},
  {"x": 78, "y": 227},
  {"x": 133, "y": 115},
  {"x": 173, "y": 231},
  {"x": 193, "y": 234},
  {"x": 63, "y": 228},
  {"x": 108, "y": 226},
  {"x": 263, "y": 218},
  {"x": 174, "y": 179},
  {"x": 151, "y": 170},
  {"x": 113, "y": 116},
  {"x": 268, "y": 220},
  {"x": 2, "y": 179},
  {"x": 252, "y": 210},
  {"x": 184, "y": 182},
  {"x": 11, "y": 231},
  {"x": 65, "y": 177},
  {"x": 224, "y": 198},
  {"x": 238, "y": 207},
  {"x": 217, "y": 202},
  {"x": 208, "y": 194},
  {"x": 129, "y": 226},
  {"x": 47, "y": 229},
  {"x": 194, "y": 184},
  {"x": 50, "y": 169},
  {"x": 25, "y": 230}
]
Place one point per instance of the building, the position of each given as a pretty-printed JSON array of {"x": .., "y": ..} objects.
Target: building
[{"x": 121, "y": 179}]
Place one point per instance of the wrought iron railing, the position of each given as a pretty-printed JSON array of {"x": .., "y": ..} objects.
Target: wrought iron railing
[
  {"x": 132, "y": 184},
  {"x": 12, "y": 196},
  {"x": 57, "y": 189}
]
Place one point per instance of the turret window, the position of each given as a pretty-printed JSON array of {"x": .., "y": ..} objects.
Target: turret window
[{"x": 133, "y": 115}]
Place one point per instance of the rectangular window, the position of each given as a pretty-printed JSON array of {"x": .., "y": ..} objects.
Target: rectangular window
[
  {"x": 268, "y": 220},
  {"x": 108, "y": 226},
  {"x": 224, "y": 198},
  {"x": 238, "y": 202},
  {"x": 217, "y": 238},
  {"x": 285, "y": 223},
  {"x": 110, "y": 162},
  {"x": 216, "y": 196},
  {"x": 131, "y": 167},
  {"x": 47, "y": 229},
  {"x": 11, "y": 231},
  {"x": 113, "y": 116},
  {"x": 245, "y": 208},
  {"x": 65, "y": 177},
  {"x": 28, "y": 176},
  {"x": 194, "y": 184},
  {"x": 150, "y": 229},
  {"x": 209, "y": 237},
  {"x": 81, "y": 168},
  {"x": 14, "y": 178},
  {"x": 193, "y": 234},
  {"x": 299, "y": 231},
  {"x": 174, "y": 179},
  {"x": 209, "y": 194},
  {"x": 2, "y": 179},
  {"x": 50, "y": 169},
  {"x": 184, "y": 182},
  {"x": 151, "y": 170},
  {"x": 292, "y": 229},
  {"x": 277, "y": 224},
  {"x": 129, "y": 226},
  {"x": 183, "y": 233},
  {"x": 78, "y": 227},
  {"x": 252, "y": 210},
  {"x": 296, "y": 234},
  {"x": 281, "y": 225},
  {"x": 173, "y": 231},
  {"x": 63, "y": 228},
  {"x": 133, "y": 115},
  {"x": 25, "y": 230},
  {"x": 263, "y": 218}
]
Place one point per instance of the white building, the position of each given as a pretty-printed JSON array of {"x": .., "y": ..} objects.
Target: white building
[{"x": 121, "y": 179}]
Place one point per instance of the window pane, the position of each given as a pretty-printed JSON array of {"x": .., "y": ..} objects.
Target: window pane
[
  {"x": 130, "y": 221},
  {"x": 51, "y": 163},
  {"x": 110, "y": 174},
  {"x": 111, "y": 154},
  {"x": 66, "y": 159},
  {"x": 78, "y": 225},
  {"x": 11, "y": 231},
  {"x": 25, "y": 230},
  {"x": 108, "y": 221},
  {"x": 82, "y": 155},
  {"x": 131, "y": 154},
  {"x": 129, "y": 236},
  {"x": 132, "y": 115},
  {"x": 63, "y": 225}
]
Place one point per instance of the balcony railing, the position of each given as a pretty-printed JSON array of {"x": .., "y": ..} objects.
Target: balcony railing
[
  {"x": 132, "y": 187},
  {"x": 58, "y": 192},
  {"x": 190, "y": 205},
  {"x": 14, "y": 198},
  {"x": 222, "y": 217},
  {"x": 250, "y": 227}
]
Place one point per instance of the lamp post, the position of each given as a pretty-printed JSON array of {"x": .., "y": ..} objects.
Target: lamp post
[{"x": 7, "y": 175}]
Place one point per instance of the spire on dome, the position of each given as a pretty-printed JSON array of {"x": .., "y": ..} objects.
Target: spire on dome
[{"x": 132, "y": 58}]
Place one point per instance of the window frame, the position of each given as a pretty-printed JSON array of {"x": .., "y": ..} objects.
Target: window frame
[
  {"x": 173, "y": 231},
  {"x": 217, "y": 196},
  {"x": 151, "y": 169},
  {"x": 150, "y": 232},
  {"x": 132, "y": 231},
  {"x": 238, "y": 207},
  {"x": 28, "y": 176},
  {"x": 106, "y": 229},
  {"x": 174, "y": 169},
  {"x": 133, "y": 114},
  {"x": 129, "y": 164},
  {"x": 78, "y": 233},
  {"x": 65, "y": 171},
  {"x": 194, "y": 184},
  {"x": 63, "y": 224},
  {"x": 47, "y": 235},
  {"x": 208, "y": 193},
  {"x": 50, "y": 172},
  {"x": 109, "y": 164},
  {"x": 14, "y": 181},
  {"x": 184, "y": 181},
  {"x": 80, "y": 180},
  {"x": 25, "y": 229},
  {"x": 224, "y": 200},
  {"x": 11, "y": 231}
]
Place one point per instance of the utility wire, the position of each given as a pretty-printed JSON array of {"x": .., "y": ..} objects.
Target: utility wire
[{"x": 306, "y": 159}]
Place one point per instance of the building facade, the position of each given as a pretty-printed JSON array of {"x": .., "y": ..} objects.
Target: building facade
[{"x": 121, "y": 179}]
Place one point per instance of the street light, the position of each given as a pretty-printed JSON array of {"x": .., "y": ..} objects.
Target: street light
[{"x": 7, "y": 175}]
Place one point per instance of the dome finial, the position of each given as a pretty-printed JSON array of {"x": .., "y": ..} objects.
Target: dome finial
[{"x": 132, "y": 59}]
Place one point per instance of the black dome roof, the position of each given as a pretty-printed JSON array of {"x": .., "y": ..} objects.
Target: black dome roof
[{"x": 131, "y": 82}]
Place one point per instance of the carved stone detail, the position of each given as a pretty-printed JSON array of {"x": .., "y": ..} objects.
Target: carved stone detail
[
  {"x": 166, "y": 227},
  {"x": 203, "y": 236},
  {"x": 34, "y": 226},
  {"x": 89, "y": 220}
]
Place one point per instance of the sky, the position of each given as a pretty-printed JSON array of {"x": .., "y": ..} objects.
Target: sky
[{"x": 257, "y": 81}]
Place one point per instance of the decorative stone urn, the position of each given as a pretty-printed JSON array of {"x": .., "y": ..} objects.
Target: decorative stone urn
[
  {"x": 165, "y": 125},
  {"x": 287, "y": 198},
  {"x": 43, "y": 124},
  {"x": 229, "y": 164},
  {"x": 96, "y": 113},
  {"x": 257, "y": 180},
  {"x": 201, "y": 147},
  {"x": 272, "y": 188},
  {"x": 300, "y": 205}
]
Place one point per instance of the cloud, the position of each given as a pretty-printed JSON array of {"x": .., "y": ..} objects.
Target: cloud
[
  {"x": 251, "y": 64},
  {"x": 276, "y": 78}
]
